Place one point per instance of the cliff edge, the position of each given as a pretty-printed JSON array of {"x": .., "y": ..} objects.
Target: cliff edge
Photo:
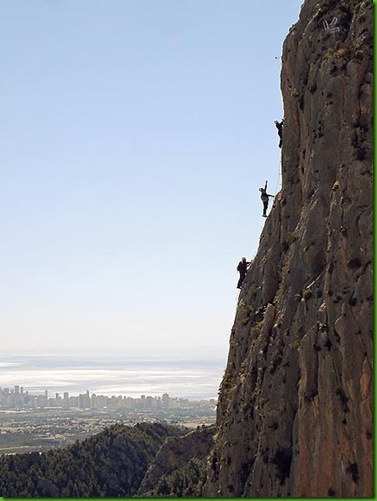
[{"x": 295, "y": 404}]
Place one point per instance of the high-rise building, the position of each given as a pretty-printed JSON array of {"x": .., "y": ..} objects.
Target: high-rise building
[{"x": 165, "y": 400}]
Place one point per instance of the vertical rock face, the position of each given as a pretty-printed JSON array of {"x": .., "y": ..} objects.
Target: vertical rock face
[{"x": 295, "y": 405}]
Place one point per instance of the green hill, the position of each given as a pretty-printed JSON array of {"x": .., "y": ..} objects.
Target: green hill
[{"x": 110, "y": 464}]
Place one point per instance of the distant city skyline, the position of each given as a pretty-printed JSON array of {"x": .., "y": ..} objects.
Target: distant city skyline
[{"x": 20, "y": 398}]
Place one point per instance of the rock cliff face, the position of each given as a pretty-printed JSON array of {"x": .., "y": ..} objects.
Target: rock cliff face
[
  {"x": 295, "y": 405},
  {"x": 180, "y": 456}
]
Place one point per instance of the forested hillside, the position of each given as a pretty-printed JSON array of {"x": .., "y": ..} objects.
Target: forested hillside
[{"x": 110, "y": 464}]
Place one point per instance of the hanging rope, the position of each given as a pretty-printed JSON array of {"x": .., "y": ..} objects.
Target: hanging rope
[{"x": 278, "y": 177}]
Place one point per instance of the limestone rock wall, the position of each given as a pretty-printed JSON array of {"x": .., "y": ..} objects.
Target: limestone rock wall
[{"x": 295, "y": 406}]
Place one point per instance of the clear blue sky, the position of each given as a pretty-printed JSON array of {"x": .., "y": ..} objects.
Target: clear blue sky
[{"x": 134, "y": 136}]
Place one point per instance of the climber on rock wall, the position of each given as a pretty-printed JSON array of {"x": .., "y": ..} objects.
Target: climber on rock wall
[
  {"x": 279, "y": 126},
  {"x": 264, "y": 197},
  {"x": 242, "y": 268}
]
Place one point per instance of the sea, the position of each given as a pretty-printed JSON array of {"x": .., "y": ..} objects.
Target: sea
[{"x": 190, "y": 379}]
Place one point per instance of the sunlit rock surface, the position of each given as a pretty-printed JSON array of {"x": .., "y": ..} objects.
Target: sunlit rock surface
[{"x": 295, "y": 408}]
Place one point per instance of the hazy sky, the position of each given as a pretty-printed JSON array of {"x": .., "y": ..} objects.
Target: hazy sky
[{"x": 134, "y": 136}]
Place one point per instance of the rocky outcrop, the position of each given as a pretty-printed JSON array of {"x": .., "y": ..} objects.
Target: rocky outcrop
[
  {"x": 179, "y": 468},
  {"x": 295, "y": 405}
]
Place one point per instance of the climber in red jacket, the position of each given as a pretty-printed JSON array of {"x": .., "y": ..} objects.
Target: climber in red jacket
[{"x": 242, "y": 268}]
